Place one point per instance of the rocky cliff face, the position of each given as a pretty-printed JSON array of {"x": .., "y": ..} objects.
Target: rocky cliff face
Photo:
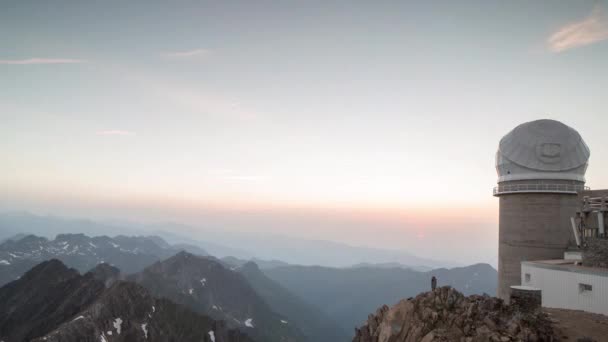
[{"x": 447, "y": 315}]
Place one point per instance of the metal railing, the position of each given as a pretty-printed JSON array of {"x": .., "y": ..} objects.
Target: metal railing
[{"x": 556, "y": 188}]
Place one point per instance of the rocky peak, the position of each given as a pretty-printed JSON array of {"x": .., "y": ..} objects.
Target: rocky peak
[
  {"x": 50, "y": 272},
  {"x": 105, "y": 273},
  {"x": 204, "y": 285},
  {"x": 45, "y": 296},
  {"x": 30, "y": 241},
  {"x": 159, "y": 241},
  {"x": 447, "y": 315}
]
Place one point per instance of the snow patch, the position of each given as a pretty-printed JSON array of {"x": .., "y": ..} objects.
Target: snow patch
[
  {"x": 249, "y": 323},
  {"x": 284, "y": 321},
  {"x": 117, "y": 324},
  {"x": 92, "y": 245},
  {"x": 203, "y": 281},
  {"x": 114, "y": 245},
  {"x": 102, "y": 338},
  {"x": 109, "y": 332},
  {"x": 4, "y": 262},
  {"x": 143, "y": 327},
  {"x": 66, "y": 246},
  {"x": 77, "y": 318},
  {"x": 153, "y": 308},
  {"x": 212, "y": 335},
  {"x": 190, "y": 291},
  {"x": 214, "y": 307}
]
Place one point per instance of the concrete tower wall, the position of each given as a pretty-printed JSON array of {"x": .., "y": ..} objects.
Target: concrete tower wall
[
  {"x": 541, "y": 168},
  {"x": 532, "y": 226}
]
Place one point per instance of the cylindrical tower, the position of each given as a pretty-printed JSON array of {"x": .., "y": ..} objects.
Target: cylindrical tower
[{"x": 541, "y": 167}]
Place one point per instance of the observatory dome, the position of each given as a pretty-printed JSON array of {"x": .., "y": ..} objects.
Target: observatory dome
[{"x": 542, "y": 150}]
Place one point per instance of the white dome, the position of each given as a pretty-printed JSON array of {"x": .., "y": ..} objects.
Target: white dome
[{"x": 542, "y": 149}]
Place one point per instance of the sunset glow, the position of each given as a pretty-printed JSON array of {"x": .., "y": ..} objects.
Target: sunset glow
[{"x": 381, "y": 131}]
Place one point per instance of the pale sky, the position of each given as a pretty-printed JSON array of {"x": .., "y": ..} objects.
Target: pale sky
[{"x": 366, "y": 122}]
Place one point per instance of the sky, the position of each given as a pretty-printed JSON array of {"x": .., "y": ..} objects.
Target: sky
[{"x": 365, "y": 122}]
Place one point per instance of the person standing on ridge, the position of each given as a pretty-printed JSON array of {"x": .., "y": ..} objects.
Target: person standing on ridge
[{"x": 433, "y": 283}]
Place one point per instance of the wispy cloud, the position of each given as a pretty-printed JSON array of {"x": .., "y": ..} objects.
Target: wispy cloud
[
  {"x": 115, "y": 132},
  {"x": 588, "y": 31},
  {"x": 34, "y": 61},
  {"x": 190, "y": 54}
]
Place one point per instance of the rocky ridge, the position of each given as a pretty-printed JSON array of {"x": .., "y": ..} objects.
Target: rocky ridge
[
  {"x": 447, "y": 315},
  {"x": 128, "y": 253},
  {"x": 52, "y": 302},
  {"x": 205, "y": 286}
]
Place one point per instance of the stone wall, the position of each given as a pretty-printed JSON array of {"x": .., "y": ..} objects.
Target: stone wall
[
  {"x": 595, "y": 253},
  {"x": 526, "y": 300}
]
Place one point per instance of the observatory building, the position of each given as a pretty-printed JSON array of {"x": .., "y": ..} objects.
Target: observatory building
[{"x": 541, "y": 170}]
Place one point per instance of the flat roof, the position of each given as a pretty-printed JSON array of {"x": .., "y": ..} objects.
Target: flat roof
[
  {"x": 525, "y": 288},
  {"x": 567, "y": 266}
]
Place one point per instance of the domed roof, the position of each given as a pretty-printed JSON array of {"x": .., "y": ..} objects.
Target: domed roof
[{"x": 544, "y": 145}]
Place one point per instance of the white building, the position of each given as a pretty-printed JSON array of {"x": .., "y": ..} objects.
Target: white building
[{"x": 566, "y": 285}]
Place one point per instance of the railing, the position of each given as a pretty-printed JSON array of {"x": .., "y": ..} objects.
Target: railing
[{"x": 556, "y": 188}]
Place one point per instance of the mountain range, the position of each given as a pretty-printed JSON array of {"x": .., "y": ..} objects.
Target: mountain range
[
  {"x": 275, "y": 302},
  {"x": 52, "y": 302},
  {"x": 333, "y": 290},
  {"x": 128, "y": 253},
  {"x": 222, "y": 242}
]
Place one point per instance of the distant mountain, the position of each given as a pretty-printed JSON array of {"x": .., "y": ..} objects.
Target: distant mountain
[
  {"x": 392, "y": 265},
  {"x": 206, "y": 286},
  {"x": 244, "y": 245},
  {"x": 130, "y": 254},
  {"x": 348, "y": 295},
  {"x": 313, "y": 252},
  {"x": 15, "y": 237},
  {"x": 314, "y": 323},
  {"x": 54, "y": 303},
  {"x": 263, "y": 264},
  {"x": 49, "y": 226}
]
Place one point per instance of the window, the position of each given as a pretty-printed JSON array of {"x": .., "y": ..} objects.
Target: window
[
  {"x": 528, "y": 277},
  {"x": 584, "y": 288}
]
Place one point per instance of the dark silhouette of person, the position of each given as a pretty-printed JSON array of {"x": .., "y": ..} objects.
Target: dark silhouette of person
[{"x": 433, "y": 283}]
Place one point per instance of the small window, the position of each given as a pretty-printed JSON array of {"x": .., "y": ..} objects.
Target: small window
[
  {"x": 584, "y": 288},
  {"x": 528, "y": 277}
]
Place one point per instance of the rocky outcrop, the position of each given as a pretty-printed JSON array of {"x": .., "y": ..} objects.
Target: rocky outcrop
[{"x": 447, "y": 315}]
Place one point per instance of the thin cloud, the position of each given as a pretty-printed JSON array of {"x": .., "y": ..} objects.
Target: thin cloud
[
  {"x": 190, "y": 54},
  {"x": 590, "y": 30},
  {"x": 115, "y": 132},
  {"x": 36, "y": 61}
]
